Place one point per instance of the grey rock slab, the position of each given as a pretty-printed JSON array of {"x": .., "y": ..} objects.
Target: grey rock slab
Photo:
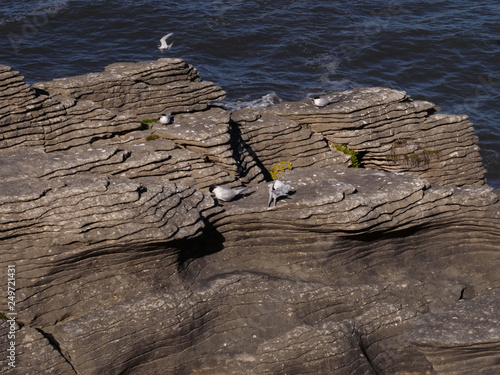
[
  {"x": 330, "y": 348},
  {"x": 146, "y": 88},
  {"x": 274, "y": 139},
  {"x": 346, "y": 102},
  {"x": 34, "y": 353},
  {"x": 372, "y": 120},
  {"x": 461, "y": 338},
  {"x": 35, "y": 162},
  {"x": 204, "y": 129}
]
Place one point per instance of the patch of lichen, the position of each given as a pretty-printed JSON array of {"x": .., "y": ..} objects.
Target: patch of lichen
[
  {"x": 148, "y": 121},
  {"x": 152, "y": 137},
  {"x": 4, "y": 317},
  {"x": 279, "y": 168},
  {"x": 417, "y": 158},
  {"x": 355, "y": 157}
]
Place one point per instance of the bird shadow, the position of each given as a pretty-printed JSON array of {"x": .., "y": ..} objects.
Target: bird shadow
[{"x": 235, "y": 199}]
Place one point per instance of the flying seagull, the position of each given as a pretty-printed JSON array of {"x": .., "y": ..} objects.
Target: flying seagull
[
  {"x": 164, "y": 44},
  {"x": 226, "y": 194}
]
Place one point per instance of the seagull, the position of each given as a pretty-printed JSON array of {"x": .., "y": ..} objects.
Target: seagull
[
  {"x": 324, "y": 101},
  {"x": 226, "y": 194},
  {"x": 165, "y": 119},
  {"x": 276, "y": 190},
  {"x": 321, "y": 102},
  {"x": 164, "y": 44}
]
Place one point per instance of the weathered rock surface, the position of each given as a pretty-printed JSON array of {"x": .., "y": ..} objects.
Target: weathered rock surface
[
  {"x": 125, "y": 264},
  {"x": 461, "y": 337},
  {"x": 273, "y": 139},
  {"x": 210, "y": 134},
  {"x": 395, "y": 133},
  {"x": 155, "y": 161},
  {"x": 147, "y": 88},
  {"x": 28, "y": 119},
  {"x": 59, "y": 232},
  {"x": 323, "y": 201},
  {"x": 34, "y": 353}
]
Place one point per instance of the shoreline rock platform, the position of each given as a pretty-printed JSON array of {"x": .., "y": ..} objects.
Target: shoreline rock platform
[{"x": 125, "y": 264}]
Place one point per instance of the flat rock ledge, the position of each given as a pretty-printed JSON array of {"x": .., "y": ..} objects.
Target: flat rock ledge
[{"x": 126, "y": 264}]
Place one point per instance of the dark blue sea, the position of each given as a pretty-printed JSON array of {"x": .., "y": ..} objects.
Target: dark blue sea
[{"x": 260, "y": 52}]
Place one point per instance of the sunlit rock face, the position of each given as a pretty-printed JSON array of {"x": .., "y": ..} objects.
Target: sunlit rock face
[{"x": 125, "y": 263}]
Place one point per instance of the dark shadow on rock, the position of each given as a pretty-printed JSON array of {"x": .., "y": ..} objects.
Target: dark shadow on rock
[
  {"x": 237, "y": 145},
  {"x": 56, "y": 346},
  {"x": 378, "y": 235},
  {"x": 209, "y": 242},
  {"x": 40, "y": 92},
  {"x": 283, "y": 197}
]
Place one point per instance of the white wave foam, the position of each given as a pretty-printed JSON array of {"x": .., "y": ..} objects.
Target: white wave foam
[
  {"x": 24, "y": 13},
  {"x": 50, "y": 7},
  {"x": 265, "y": 101}
]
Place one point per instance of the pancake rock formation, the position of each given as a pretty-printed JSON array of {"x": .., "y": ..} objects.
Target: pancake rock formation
[
  {"x": 124, "y": 263},
  {"x": 395, "y": 133}
]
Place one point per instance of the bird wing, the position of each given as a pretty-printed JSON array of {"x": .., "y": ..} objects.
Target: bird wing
[
  {"x": 280, "y": 193},
  {"x": 242, "y": 190},
  {"x": 224, "y": 193},
  {"x": 163, "y": 40},
  {"x": 277, "y": 184}
]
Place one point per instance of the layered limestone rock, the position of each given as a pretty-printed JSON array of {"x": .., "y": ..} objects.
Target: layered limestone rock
[
  {"x": 125, "y": 264},
  {"x": 150, "y": 161},
  {"x": 395, "y": 133},
  {"x": 146, "y": 89},
  {"x": 331, "y": 281},
  {"x": 38, "y": 354},
  {"x": 85, "y": 122},
  {"x": 28, "y": 119},
  {"x": 102, "y": 141},
  {"x": 273, "y": 140},
  {"x": 321, "y": 200},
  {"x": 19, "y": 106},
  {"x": 462, "y": 337},
  {"x": 361, "y": 239},
  {"x": 209, "y": 133},
  {"x": 78, "y": 241}
]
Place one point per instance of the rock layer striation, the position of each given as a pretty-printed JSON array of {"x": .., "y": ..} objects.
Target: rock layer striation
[
  {"x": 395, "y": 133},
  {"x": 124, "y": 263}
]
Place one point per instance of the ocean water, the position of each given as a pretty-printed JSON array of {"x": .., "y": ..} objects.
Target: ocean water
[{"x": 261, "y": 52}]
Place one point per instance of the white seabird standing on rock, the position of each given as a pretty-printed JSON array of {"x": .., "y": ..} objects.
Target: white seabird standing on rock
[
  {"x": 165, "y": 119},
  {"x": 163, "y": 43},
  {"x": 226, "y": 194},
  {"x": 324, "y": 101},
  {"x": 277, "y": 189},
  {"x": 321, "y": 102}
]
